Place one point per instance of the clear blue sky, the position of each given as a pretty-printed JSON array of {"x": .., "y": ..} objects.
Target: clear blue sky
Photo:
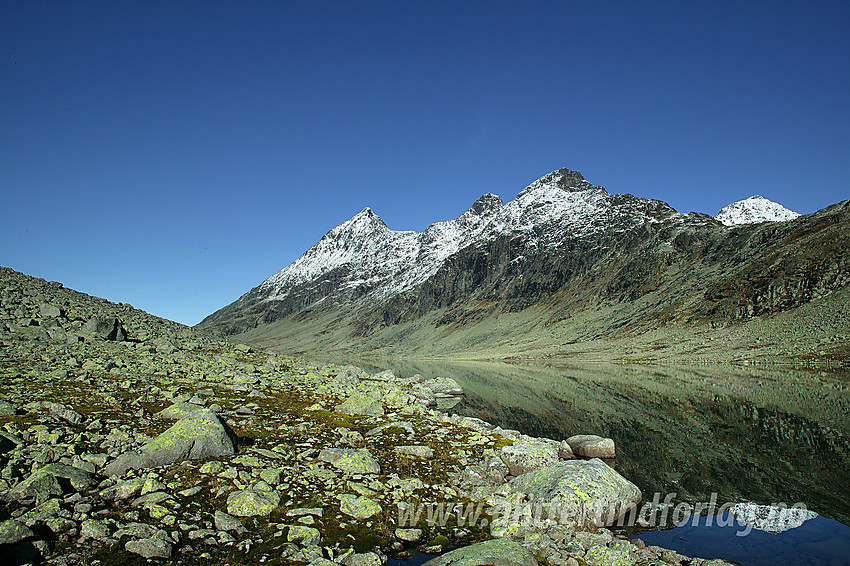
[{"x": 174, "y": 154}]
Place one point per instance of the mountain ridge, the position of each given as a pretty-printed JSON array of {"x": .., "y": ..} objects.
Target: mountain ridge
[{"x": 563, "y": 242}]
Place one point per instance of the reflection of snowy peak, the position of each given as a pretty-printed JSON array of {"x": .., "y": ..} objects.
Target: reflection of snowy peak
[
  {"x": 771, "y": 519},
  {"x": 754, "y": 210},
  {"x": 363, "y": 254}
]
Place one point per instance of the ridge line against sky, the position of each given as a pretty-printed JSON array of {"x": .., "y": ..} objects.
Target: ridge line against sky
[{"x": 173, "y": 155}]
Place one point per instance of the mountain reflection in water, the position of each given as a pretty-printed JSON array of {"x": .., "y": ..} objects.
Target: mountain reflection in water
[{"x": 749, "y": 434}]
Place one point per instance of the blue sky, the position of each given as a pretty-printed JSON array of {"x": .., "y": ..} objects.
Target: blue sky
[{"x": 174, "y": 154}]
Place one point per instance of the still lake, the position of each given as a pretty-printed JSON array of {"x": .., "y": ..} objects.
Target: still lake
[{"x": 762, "y": 435}]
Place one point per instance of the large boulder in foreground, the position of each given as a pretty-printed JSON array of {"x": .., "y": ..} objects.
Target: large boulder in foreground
[
  {"x": 498, "y": 552},
  {"x": 198, "y": 435},
  {"x": 587, "y": 491}
]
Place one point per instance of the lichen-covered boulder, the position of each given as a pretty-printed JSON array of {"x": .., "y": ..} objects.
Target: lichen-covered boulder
[
  {"x": 354, "y": 461},
  {"x": 605, "y": 556},
  {"x": 496, "y": 552},
  {"x": 586, "y": 491},
  {"x": 199, "y": 435},
  {"x": 178, "y": 410},
  {"x": 13, "y": 531},
  {"x": 527, "y": 455},
  {"x": 591, "y": 446},
  {"x": 252, "y": 502},
  {"x": 360, "y": 404},
  {"x": 105, "y": 328},
  {"x": 225, "y": 522},
  {"x": 149, "y": 547},
  {"x": 358, "y": 507},
  {"x": 51, "y": 480},
  {"x": 305, "y": 536}
]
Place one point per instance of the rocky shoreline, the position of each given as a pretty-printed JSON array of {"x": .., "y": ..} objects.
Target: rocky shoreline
[{"x": 125, "y": 438}]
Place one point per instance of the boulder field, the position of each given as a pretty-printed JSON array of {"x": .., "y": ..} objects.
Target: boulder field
[{"x": 133, "y": 439}]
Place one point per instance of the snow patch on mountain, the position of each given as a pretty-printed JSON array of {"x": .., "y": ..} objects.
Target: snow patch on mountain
[{"x": 754, "y": 210}]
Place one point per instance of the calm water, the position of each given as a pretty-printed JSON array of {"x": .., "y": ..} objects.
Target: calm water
[{"x": 760, "y": 435}]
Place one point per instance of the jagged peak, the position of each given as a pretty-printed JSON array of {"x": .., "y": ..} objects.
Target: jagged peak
[{"x": 487, "y": 203}]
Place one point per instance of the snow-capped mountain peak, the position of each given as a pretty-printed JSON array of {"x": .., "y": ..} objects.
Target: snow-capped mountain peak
[
  {"x": 754, "y": 210},
  {"x": 561, "y": 180}
]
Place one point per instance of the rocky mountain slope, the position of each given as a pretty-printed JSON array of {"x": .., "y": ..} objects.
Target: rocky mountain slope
[
  {"x": 127, "y": 439},
  {"x": 566, "y": 260}
]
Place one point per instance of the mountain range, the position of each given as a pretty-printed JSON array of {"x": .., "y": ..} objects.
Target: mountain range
[{"x": 563, "y": 267}]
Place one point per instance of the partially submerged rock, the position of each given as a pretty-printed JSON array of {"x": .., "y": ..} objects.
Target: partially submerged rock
[{"x": 199, "y": 435}]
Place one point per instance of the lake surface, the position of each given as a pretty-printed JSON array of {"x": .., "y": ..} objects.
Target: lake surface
[{"x": 747, "y": 434}]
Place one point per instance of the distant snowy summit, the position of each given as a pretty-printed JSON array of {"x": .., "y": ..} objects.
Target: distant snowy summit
[{"x": 754, "y": 210}]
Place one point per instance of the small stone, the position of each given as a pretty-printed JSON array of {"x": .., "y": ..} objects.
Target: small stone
[
  {"x": 225, "y": 522},
  {"x": 409, "y": 535}
]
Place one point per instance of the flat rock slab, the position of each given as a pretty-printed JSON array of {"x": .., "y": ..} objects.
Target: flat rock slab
[
  {"x": 591, "y": 446},
  {"x": 496, "y": 552},
  {"x": 588, "y": 491},
  {"x": 354, "y": 461},
  {"x": 200, "y": 435}
]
